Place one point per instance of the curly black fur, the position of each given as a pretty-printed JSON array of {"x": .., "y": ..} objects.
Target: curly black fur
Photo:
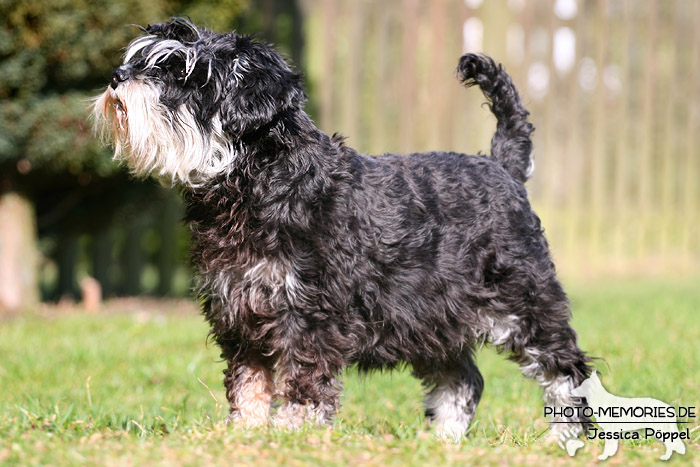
[
  {"x": 314, "y": 257},
  {"x": 511, "y": 143}
]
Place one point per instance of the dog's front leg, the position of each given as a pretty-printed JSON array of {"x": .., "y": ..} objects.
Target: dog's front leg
[
  {"x": 308, "y": 383},
  {"x": 249, "y": 390},
  {"x": 308, "y": 400}
]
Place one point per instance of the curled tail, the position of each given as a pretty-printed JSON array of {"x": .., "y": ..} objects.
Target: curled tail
[{"x": 511, "y": 144}]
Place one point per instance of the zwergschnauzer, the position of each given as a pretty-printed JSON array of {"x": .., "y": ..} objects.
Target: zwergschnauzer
[{"x": 313, "y": 257}]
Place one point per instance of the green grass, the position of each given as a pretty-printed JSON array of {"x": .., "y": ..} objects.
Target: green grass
[{"x": 126, "y": 388}]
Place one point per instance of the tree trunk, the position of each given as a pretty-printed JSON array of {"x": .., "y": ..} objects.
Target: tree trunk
[{"x": 19, "y": 286}]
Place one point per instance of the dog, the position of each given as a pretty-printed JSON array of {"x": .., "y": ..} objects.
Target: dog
[
  {"x": 598, "y": 399},
  {"x": 312, "y": 257}
]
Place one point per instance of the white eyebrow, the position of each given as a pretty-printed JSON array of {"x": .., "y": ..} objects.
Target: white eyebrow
[{"x": 137, "y": 45}]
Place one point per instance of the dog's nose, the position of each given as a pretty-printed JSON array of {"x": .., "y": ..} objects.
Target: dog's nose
[{"x": 119, "y": 75}]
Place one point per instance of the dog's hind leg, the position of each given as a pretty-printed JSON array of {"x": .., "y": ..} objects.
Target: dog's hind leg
[
  {"x": 555, "y": 370},
  {"x": 543, "y": 343},
  {"x": 453, "y": 392},
  {"x": 553, "y": 359}
]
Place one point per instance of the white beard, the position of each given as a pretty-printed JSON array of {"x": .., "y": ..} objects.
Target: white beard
[{"x": 152, "y": 139}]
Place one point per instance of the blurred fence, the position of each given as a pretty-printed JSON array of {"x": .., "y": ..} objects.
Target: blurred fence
[{"x": 613, "y": 88}]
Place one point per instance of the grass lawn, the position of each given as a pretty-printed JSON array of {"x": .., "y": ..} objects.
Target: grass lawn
[{"x": 133, "y": 387}]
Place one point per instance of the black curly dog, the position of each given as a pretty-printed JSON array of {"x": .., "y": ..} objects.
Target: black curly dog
[{"x": 313, "y": 257}]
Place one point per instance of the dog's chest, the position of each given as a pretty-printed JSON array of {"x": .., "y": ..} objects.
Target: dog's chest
[{"x": 257, "y": 288}]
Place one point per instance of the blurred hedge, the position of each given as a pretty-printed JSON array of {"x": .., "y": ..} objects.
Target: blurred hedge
[{"x": 55, "y": 55}]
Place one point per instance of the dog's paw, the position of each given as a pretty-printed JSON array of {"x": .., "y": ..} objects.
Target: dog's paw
[
  {"x": 293, "y": 416},
  {"x": 236, "y": 420}
]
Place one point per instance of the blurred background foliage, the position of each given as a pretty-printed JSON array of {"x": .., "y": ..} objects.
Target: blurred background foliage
[{"x": 613, "y": 86}]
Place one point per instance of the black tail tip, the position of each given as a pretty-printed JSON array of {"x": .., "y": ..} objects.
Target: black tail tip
[{"x": 474, "y": 68}]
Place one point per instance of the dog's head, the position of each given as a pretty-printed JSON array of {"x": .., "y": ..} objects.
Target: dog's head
[{"x": 185, "y": 98}]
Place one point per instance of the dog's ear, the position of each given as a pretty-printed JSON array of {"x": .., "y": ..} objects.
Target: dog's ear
[{"x": 260, "y": 86}]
